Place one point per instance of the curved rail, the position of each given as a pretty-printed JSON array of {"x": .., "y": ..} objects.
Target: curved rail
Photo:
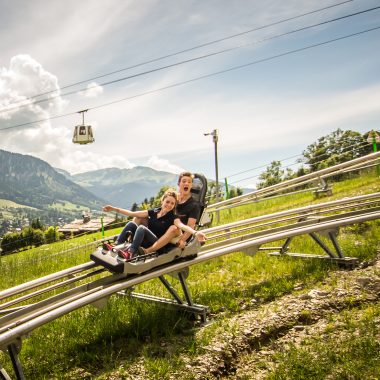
[
  {"x": 11, "y": 332},
  {"x": 356, "y": 164},
  {"x": 246, "y": 235},
  {"x": 44, "y": 280}
]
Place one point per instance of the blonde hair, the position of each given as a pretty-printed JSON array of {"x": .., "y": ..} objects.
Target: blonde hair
[{"x": 170, "y": 193}]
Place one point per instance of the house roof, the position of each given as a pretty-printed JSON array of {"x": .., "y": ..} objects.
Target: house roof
[{"x": 81, "y": 225}]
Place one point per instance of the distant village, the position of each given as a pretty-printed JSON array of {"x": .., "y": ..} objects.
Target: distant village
[{"x": 86, "y": 223}]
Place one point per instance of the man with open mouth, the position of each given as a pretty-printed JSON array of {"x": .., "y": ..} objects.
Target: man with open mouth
[{"x": 187, "y": 210}]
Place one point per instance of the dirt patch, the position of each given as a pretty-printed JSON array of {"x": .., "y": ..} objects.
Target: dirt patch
[
  {"x": 257, "y": 334},
  {"x": 245, "y": 347}
]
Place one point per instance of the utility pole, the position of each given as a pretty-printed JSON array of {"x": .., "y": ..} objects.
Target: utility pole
[{"x": 214, "y": 135}]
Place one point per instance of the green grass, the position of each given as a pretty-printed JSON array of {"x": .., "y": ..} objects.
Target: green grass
[
  {"x": 5, "y": 203},
  {"x": 349, "y": 349},
  {"x": 365, "y": 183},
  {"x": 67, "y": 206},
  {"x": 49, "y": 258},
  {"x": 118, "y": 336}
]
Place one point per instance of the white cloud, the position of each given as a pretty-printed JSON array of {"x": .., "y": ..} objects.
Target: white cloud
[
  {"x": 163, "y": 165},
  {"x": 52, "y": 143},
  {"x": 265, "y": 108},
  {"x": 253, "y": 122},
  {"x": 80, "y": 161},
  {"x": 93, "y": 90},
  {"x": 24, "y": 79}
]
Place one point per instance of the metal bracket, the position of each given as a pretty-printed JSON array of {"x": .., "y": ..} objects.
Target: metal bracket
[
  {"x": 187, "y": 305},
  {"x": 101, "y": 304},
  {"x": 323, "y": 188},
  {"x": 332, "y": 256},
  {"x": 251, "y": 251},
  {"x": 13, "y": 349}
]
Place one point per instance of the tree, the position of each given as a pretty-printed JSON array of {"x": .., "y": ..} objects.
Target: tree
[
  {"x": 38, "y": 238},
  {"x": 153, "y": 201},
  {"x": 36, "y": 224},
  {"x": 51, "y": 235},
  {"x": 272, "y": 175},
  {"x": 235, "y": 192},
  {"x": 335, "y": 148},
  {"x": 10, "y": 242},
  {"x": 26, "y": 236}
]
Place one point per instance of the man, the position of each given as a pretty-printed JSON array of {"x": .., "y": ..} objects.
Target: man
[{"x": 187, "y": 210}]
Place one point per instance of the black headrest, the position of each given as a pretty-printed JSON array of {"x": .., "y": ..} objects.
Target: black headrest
[{"x": 199, "y": 188}]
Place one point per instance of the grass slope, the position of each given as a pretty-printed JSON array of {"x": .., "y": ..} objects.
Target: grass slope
[{"x": 131, "y": 339}]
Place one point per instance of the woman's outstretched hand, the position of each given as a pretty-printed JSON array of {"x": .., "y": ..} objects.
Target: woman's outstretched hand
[{"x": 108, "y": 208}]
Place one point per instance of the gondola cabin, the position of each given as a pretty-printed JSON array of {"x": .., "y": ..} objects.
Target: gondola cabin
[{"x": 83, "y": 132}]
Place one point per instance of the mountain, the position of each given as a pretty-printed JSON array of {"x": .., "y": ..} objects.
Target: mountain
[
  {"x": 42, "y": 191},
  {"x": 64, "y": 173},
  {"x": 123, "y": 187},
  {"x": 30, "y": 188},
  {"x": 29, "y": 181}
]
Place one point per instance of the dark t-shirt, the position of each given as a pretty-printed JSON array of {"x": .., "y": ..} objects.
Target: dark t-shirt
[
  {"x": 159, "y": 225},
  {"x": 188, "y": 209}
]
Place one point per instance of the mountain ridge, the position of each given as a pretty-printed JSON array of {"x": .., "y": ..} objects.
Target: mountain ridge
[
  {"x": 123, "y": 187},
  {"x": 32, "y": 182}
]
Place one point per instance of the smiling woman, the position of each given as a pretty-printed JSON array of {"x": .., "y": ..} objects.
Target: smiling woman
[{"x": 159, "y": 220}]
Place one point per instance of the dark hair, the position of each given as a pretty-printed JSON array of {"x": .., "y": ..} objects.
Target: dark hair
[{"x": 185, "y": 174}]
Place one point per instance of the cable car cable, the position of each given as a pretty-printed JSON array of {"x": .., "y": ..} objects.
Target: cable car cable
[
  {"x": 358, "y": 146},
  {"x": 203, "y": 76},
  {"x": 362, "y": 145},
  {"x": 260, "y": 167},
  {"x": 192, "y": 59},
  {"x": 187, "y": 50}
]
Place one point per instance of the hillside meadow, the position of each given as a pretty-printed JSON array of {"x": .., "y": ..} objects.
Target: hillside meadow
[{"x": 132, "y": 339}]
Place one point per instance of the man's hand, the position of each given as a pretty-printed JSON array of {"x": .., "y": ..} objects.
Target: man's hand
[{"x": 200, "y": 236}]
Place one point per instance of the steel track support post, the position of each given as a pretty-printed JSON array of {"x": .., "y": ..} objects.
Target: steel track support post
[
  {"x": 285, "y": 246},
  {"x": 336, "y": 245},
  {"x": 13, "y": 351},
  {"x": 322, "y": 244},
  {"x": 185, "y": 289},
  {"x": 200, "y": 309},
  {"x": 170, "y": 289},
  {"x": 189, "y": 305}
]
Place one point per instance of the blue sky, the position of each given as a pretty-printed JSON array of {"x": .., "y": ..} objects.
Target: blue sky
[{"x": 264, "y": 112}]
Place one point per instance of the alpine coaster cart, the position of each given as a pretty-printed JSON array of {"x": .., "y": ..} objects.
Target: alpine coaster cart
[{"x": 108, "y": 257}]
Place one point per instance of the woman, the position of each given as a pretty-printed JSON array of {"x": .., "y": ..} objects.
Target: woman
[
  {"x": 159, "y": 221},
  {"x": 187, "y": 211}
]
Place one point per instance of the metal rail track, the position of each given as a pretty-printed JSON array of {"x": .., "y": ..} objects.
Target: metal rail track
[
  {"x": 275, "y": 190},
  {"x": 60, "y": 293}
]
